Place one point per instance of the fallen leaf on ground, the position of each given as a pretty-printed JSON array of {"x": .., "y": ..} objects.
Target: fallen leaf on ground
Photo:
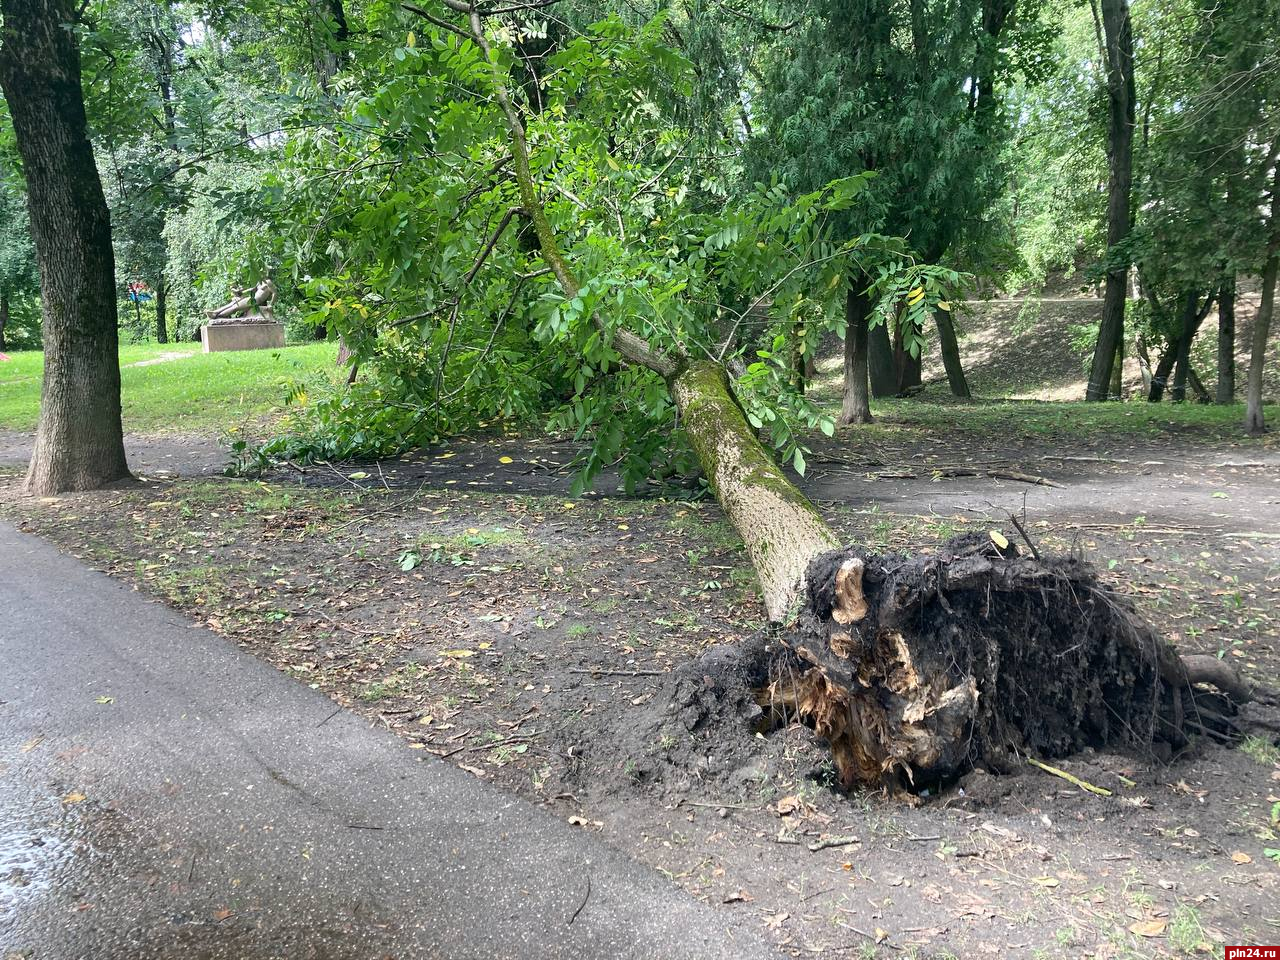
[
  {"x": 788, "y": 805},
  {"x": 1149, "y": 928},
  {"x": 74, "y": 798},
  {"x": 1241, "y": 857}
]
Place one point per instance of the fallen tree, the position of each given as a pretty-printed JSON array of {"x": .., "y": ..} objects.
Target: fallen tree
[{"x": 912, "y": 668}]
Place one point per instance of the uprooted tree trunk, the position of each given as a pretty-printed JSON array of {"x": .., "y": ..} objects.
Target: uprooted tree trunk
[
  {"x": 780, "y": 527},
  {"x": 912, "y": 668}
]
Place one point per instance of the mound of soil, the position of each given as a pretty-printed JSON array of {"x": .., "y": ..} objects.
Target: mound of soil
[{"x": 916, "y": 669}]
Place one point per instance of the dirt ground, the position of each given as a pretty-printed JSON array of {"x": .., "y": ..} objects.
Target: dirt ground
[{"x": 461, "y": 599}]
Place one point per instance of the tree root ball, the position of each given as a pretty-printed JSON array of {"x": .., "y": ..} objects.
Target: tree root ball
[{"x": 916, "y": 669}]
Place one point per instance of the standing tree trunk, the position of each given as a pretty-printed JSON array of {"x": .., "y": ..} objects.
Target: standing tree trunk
[
  {"x": 1226, "y": 390},
  {"x": 1117, "y": 372},
  {"x": 906, "y": 367},
  {"x": 950, "y": 348},
  {"x": 1254, "y": 422},
  {"x": 1185, "y": 336},
  {"x": 1120, "y": 119},
  {"x": 880, "y": 367},
  {"x": 1189, "y": 320},
  {"x": 4, "y": 317},
  {"x": 162, "y": 319},
  {"x": 79, "y": 440},
  {"x": 857, "y": 313}
]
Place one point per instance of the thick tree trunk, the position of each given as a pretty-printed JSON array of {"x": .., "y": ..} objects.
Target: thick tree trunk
[
  {"x": 880, "y": 367},
  {"x": 780, "y": 527},
  {"x": 857, "y": 402},
  {"x": 950, "y": 348},
  {"x": 1186, "y": 335},
  {"x": 799, "y": 366},
  {"x": 1120, "y": 97},
  {"x": 1226, "y": 389},
  {"x": 79, "y": 440},
  {"x": 162, "y": 317},
  {"x": 1197, "y": 386},
  {"x": 4, "y": 318},
  {"x": 1254, "y": 421},
  {"x": 331, "y": 40}
]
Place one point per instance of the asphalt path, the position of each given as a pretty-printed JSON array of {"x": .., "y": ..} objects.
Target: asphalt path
[{"x": 164, "y": 795}]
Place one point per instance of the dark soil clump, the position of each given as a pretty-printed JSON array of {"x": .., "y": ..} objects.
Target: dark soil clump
[{"x": 922, "y": 667}]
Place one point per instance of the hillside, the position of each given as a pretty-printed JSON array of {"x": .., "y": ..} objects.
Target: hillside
[{"x": 1039, "y": 348}]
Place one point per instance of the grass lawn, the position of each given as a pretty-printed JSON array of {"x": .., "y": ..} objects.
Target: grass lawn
[
  {"x": 1075, "y": 419},
  {"x": 195, "y": 393}
]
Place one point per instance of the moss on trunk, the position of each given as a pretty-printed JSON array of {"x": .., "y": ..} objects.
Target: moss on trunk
[{"x": 780, "y": 527}]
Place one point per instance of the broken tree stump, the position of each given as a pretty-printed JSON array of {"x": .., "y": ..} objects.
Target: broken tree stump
[{"x": 918, "y": 668}]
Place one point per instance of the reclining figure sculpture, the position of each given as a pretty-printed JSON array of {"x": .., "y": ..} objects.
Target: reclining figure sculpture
[{"x": 246, "y": 307}]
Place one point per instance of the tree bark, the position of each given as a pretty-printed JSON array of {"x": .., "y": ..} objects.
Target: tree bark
[
  {"x": 162, "y": 318},
  {"x": 950, "y": 348},
  {"x": 79, "y": 439},
  {"x": 1117, "y": 372},
  {"x": 906, "y": 367},
  {"x": 4, "y": 318},
  {"x": 1185, "y": 336},
  {"x": 857, "y": 313},
  {"x": 1160, "y": 377},
  {"x": 781, "y": 529},
  {"x": 1254, "y": 420},
  {"x": 1226, "y": 389},
  {"x": 1164, "y": 368},
  {"x": 880, "y": 367},
  {"x": 1120, "y": 98},
  {"x": 334, "y": 35}
]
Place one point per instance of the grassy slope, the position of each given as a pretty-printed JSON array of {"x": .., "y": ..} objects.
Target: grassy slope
[
  {"x": 196, "y": 393},
  {"x": 1027, "y": 377}
]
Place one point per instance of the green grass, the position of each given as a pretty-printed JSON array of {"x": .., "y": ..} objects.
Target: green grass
[
  {"x": 202, "y": 392},
  {"x": 1078, "y": 420},
  {"x": 1260, "y": 750}
]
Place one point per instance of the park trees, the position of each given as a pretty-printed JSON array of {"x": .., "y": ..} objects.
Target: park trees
[
  {"x": 911, "y": 92},
  {"x": 17, "y": 258},
  {"x": 79, "y": 440}
]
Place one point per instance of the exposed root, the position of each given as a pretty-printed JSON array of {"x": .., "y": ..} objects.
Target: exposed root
[{"x": 918, "y": 668}]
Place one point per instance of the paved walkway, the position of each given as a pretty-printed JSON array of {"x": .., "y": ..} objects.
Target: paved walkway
[{"x": 163, "y": 795}]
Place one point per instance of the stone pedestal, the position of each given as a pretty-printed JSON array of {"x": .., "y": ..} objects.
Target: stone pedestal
[{"x": 217, "y": 337}]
